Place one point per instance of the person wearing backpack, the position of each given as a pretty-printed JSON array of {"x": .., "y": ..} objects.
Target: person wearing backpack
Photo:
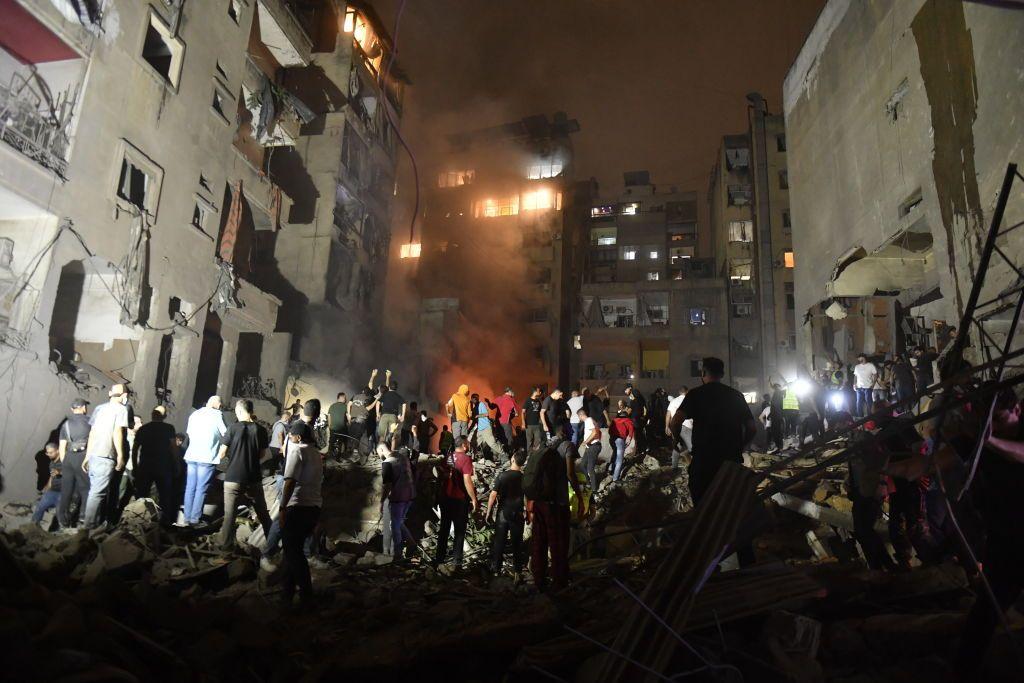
[
  {"x": 74, "y": 437},
  {"x": 457, "y": 500}
]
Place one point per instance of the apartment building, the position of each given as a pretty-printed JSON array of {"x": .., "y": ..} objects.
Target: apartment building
[
  {"x": 653, "y": 302},
  {"x": 895, "y": 168},
  {"x": 494, "y": 275},
  {"x": 152, "y": 230},
  {"x": 749, "y": 209}
]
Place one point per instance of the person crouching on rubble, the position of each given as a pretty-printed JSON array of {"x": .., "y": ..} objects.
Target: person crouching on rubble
[
  {"x": 396, "y": 498},
  {"x": 51, "y": 490}
]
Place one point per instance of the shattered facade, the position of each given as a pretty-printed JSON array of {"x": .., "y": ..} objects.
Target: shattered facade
[
  {"x": 752, "y": 227},
  {"x": 896, "y": 166},
  {"x": 170, "y": 181},
  {"x": 495, "y": 277},
  {"x": 652, "y": 301}
]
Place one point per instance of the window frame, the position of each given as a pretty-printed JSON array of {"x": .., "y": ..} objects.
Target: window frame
[
  {"x": 127, "y": 152},
  {"x": 173, "y": 78}
]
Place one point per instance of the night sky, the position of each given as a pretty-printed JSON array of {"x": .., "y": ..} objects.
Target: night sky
[{"x": 654, "y": 83}]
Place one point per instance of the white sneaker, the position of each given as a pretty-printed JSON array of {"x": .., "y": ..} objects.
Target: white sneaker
[{"x": 267, "y": 566}]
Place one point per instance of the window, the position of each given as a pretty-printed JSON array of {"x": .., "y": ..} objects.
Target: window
[
  {"x": 750, "y": 396},
  {"x": 737, "y": 158},
  {"x": 681, "y": 212},
  {"x": 354, "y": 154},
  {"x": 683, "y": 232},
  {"x": 629, "y": 253},
  {"x": 411, "y": 250},
  {"x": 654, "y": 363},
  {"x": 222, "y": 73},
  {"x": 199, "y": 215},
  {"x": 603, "y": 256},
  {"x": 910, "y": 203},
  {"x": 696, "y": 368},
  {"x": 739, "y": 195},
  {"x": 792, "y": 342},
  {"x": 740, "y": 270},
  {"x": 234, "y": 10},
  {"x": 679, "y": 254},
  {"x": 780, "y": 142},
  {"x": 133, "y": 184},
  {"x": 787, "y": 223},
  {"x": 543, "y": 198},
  {"x": 454, "y": 178},
  {"x": 218, "y": 104},
  {"x": 603, "y": 237},
  {"x": 653, "y": 276},
  {"x": 783, "y": 180},
  {"x": 787, "y": 259},
  {"x": 161, "y": 51},
  {"x": 492, "y": 208},
  {"x": 548, "y": 169},
  {"x": 653, "y": 253},
  {"x": 626, "y": 372},
  {"x": 630, "y": 209},
  {"x": 598, "y": 211},
  {"x": 702, "y": 267},
  {"x": 742, "y": 310},
  {"x": 790, "y": 298},
  {"x": 741, "y": 231},
  {"x": 699, "y": 316}
]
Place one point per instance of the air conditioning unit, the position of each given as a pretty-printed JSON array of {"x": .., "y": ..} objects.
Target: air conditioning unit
[{"x": 607, "y": 309}]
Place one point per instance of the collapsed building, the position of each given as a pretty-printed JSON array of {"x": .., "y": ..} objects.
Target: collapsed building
[
  {"x": 194, "y": 199},
  {"x": 498, "y": 259},
  {"x": 751, "y": 221},
  {"x": 652, "y": 301},
  {"x": 896, "y": 166}
]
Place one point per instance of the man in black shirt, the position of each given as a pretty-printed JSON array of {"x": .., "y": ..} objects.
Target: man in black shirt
[
  {"x": 358, "y": 421},
  {"x": 722, "y": 428},
  {"x": 337, "y": 423},
  {"x": 74, "y": 435},
  {"x": 638, "y": 413},
  {"x": 506, "y": 500},
  {"x": 554, "y": 415},
  {"x": 244, "y": 444},
  {"x": 154, "y": 456},
  {"x": 531, "y": 421},
  {"x": 596, "y": 407},
  {"x": 390, "y": 414}
]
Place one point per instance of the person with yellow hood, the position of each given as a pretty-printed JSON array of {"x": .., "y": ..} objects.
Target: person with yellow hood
[{"x": 459, "y": 413}]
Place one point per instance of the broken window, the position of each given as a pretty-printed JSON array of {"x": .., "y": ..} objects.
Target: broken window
[
  {"x": 683, "y": 232},
  {"x": 133, "y": 184},
  {"x": 654, "y": 306},
  {"x": 742, "y": 310},
  {"x": 787, "y": 259},
  {"x": 454, "y": 178},
  {"x": 543, "y": 198},
  {"x": 599, "y": 211},
  {"x": 630, "y": 209},
  {"x": 603, "y": 237},
  {"x": 492, "y": 208},
  {"x": 161, "y": 51},
  {"x": 741, "y": 231},
  {"x": 783, "y": 180},
  {"x": 354, "y": 155},
  {"x": 653, "y": 276},
  {"x": 548, "y": 169},
  {"x": 740, "y": 270},
  {"x": 780, "y": 142},
  {"x": 678, "y": 254},
  {"x": 700, "y": 316},
  {"x": 737, "y": 158},
  {"x": 629, "y": 253},
  {"x": 199, "y": 213},
  {"x": 739, "y": 195}
]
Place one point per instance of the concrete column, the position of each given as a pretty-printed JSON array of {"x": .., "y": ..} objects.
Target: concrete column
[
  {"x": 274, "y": 361},
  {"x": 144, "y": 372},
  {"x": 228, "y": 357}
]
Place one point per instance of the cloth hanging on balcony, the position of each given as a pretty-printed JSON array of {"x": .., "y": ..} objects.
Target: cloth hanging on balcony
[
  {"x": 227, "y": 289},
  {"x": 265, "y": 122},
  {"x": 275, "y": 207},
  {"x": 134, "y": 271},
  {"x": 229, "y": 237}
]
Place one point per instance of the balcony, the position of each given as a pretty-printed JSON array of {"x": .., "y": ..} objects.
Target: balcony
[
  {"x": 27, "y": 127},
  {"x": 283, "y": 33}
]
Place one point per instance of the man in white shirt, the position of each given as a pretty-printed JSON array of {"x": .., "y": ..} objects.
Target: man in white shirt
[
  {"x": 864, "y": 375},
  {"x": 685, "y": 432},
  {"x": 575, "y": 403},
  {"x": 105, "y": 452},
  {"x": 591, "y": 445},
  {"x": 301, "y": 500},
  {"x": 205, "y": 429}
]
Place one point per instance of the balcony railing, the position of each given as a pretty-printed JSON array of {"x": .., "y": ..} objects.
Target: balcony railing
[{"x": 31, "y": 128}]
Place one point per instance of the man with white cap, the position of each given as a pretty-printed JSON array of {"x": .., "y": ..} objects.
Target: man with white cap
[
  {"x": 205, "y": 429},
  {"x": 105, "y": 451}
]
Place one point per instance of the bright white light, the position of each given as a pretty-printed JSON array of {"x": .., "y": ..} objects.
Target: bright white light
[
  {"x": 802, "y": 387},
  {"x": 837, "y": 400},
  {"x": 410, "y": 250}
]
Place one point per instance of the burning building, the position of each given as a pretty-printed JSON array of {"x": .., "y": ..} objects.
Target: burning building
[
  {"x": 495, "y": 273},
  {"x": 653, "y": 303},
  {"x": 194, "y": 199}
]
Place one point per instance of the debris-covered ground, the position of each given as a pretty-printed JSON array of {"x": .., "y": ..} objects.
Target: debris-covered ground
[{"x": 141, "y": 603}]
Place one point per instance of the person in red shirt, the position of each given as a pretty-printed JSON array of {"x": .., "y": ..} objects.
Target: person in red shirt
[
  {"x": 458, "y": 498},
  {"x": 506, "y": 413},
  {"x": 622, "y": 433}
]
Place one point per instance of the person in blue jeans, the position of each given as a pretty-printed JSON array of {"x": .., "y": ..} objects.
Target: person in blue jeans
[
  {"x": 51, "y": 492},
  {"x": 205, "y": 429},
  {"x": 398, "y": 495}
]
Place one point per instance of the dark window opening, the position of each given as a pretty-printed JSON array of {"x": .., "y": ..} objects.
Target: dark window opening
[
  {"x": 247, "y": 362},
  {"x": 132, "y": 186},
  {"x": 783, "y": 180},
  {"x": 157, "y": 52},
  {"x": 208, "y": 367},
  {"x": 163, "y": 363},
  {"x": 780, "y": 143}
]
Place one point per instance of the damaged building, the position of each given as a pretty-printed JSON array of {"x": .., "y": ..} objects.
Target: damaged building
[
  {"x": 752, "y": 227},
  {"x": 896, "y": 167},
  {"x": 653, "y": 303},
  {"x": 191, "y": 195},
  {"x": 495, "y": 275}
]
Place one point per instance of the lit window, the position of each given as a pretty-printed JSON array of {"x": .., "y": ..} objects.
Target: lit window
[
  {"x": 596, "y": 211},
  {"x": 740, "y": 270},
  {"x": 542, "y": 199},
  {"x": 741, "y": 231},
  {"x": 410, "y": 250},
  {"x": 604, "y": 237},
  {"x": 699, "y": 316},
  {"x": 544, "y": 170},
  {"x": 350, "y": 21},
  {"x": 678, "y": 254},
  {"x": 162, "y": 51},
  {"x": 787, "y": 259},
  {"x": 653, "y": 253},
  {"x": 492, "y": 208},
  {"x": 750, "y": 396},
  {"x": 630, "y": 209},
  {"x": 653, "y": 275},
  {"x": 629, "y": 253},
  {"x": 454, "y": 178}
]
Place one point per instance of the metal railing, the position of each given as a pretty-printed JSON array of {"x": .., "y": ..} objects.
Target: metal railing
[{"x": 29, "y": 127}]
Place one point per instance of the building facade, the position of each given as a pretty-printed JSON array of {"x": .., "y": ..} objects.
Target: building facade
[
  {"x": 151, "y": 228},
  {"x": 749, "y": 209},
  {"x": 653, "y": 302},
  {"x": 495, "y": 273},
  {"x": 895, "y": 168}
]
